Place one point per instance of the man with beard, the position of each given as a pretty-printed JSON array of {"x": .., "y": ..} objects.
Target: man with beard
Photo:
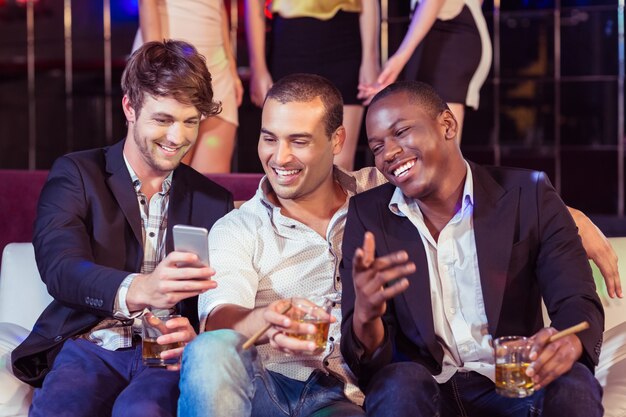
[
  {"x": 448, "y": 256},
  {"x": 103, "y": 244}
]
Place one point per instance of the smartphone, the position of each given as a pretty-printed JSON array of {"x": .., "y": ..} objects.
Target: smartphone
[{"x": 192, "y": 239}]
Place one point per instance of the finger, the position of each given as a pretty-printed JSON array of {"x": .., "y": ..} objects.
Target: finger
[
  {"x": 382, "y": 77},
  {"x": 610, "y": 273},
  {"x": 387, "y": 278},
  {"x": 276, "y": 319},
  {"x": 539, "y": 340},
  {"x": 557, "y": 358},
  {"x": 191, "y": 286},
  {"x": 369, "y": 249},
  {"x": 358, "y": 260},
  {"x": 175, "y": 367},
  {"x": 188, "y": 273},
  {"x": 391, "y": 260},
  {"x": 293, "y": 344},
  {"x": 180, "y": 337}
]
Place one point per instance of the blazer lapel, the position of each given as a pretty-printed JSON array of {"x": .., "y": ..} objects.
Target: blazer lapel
[
  {"x": 495, "y": 214},
  {"x": 400, "y": 234},
  {"x": 120, "y": 184},
  {"x": 179, "y": 211}
]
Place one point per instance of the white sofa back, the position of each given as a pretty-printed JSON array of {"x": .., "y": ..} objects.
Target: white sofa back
[{"x": 23, "y": 295}]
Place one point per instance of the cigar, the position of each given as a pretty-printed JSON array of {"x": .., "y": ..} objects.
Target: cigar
[
  {"x": 570, "y": 330},
  {"x": 265, "y": 328}
]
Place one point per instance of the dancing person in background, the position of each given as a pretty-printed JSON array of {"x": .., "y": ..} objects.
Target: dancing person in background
[
  {"x": 447, "y": 46},
  {"x": 204, "y": 24},
  {"x": 335, "y": 39}
]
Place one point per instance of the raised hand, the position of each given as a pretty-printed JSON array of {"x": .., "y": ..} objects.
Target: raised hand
[{"x": 376, "y": 280}]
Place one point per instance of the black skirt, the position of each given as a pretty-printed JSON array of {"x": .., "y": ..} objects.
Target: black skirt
[
  {"x": 330, "y": 48},
  {"x": 448, "y": 57}
]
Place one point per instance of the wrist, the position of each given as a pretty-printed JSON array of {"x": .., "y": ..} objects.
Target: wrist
[{"x": 135, "y": 300}]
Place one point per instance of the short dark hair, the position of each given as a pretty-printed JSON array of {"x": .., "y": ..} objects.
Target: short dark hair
[
  {"x": 419, "y": 93},
  {"x": 306, "y": 87},
  {"x": 169, "y": 68}
]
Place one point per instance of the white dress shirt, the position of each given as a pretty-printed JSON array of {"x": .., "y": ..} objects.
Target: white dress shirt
[
  {"x": 261, "y": 256},
  {"x": 458, "y": 308}
]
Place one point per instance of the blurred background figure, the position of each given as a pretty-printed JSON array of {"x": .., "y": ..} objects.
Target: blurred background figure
[
  {"x": 447, "y": 46},
  {"x": 204, "y": 24},
  {"x": 335, "y": 39}
]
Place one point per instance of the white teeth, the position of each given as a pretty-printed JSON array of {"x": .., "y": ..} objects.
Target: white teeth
[
  {"x": 167, "y": 148},
  {"x": 403, "y": 169},
  {"x": 284, "y": 172}
]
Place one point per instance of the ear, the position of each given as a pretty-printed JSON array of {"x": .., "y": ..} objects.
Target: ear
[
  {"x": 450, "y": 124},
  {"x": 129, "y": 112},
  {"x": 337, "y": 139}
]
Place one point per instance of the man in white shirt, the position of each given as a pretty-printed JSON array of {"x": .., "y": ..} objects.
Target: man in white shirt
[
  {"x": 284, "y": 242},
  {"x": 449, "y": 255}
]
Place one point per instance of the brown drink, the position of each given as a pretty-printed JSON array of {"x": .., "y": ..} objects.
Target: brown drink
[
  {"x": 315, "y": 311},
  {"x": 151, "y": 352},
  {"x": 512, "y": 358},
  {"x": 512, "y": 381},
  {"x": 153, "y": 327}
]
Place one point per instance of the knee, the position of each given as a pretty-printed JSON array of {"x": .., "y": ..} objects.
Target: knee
[
  {"x": 207, "y": 344},
  {"x": 574, "y": 393},
  {"x": 402, "y": 381},
  {"x": 578, "y": 379},
  {"x": 216, "y": 353}
]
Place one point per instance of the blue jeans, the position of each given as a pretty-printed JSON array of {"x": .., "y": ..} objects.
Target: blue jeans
[
  {"x": 219, "y": 378},
  {"x": 414, "y": 392},
  {"x": 87, "y": 380}
]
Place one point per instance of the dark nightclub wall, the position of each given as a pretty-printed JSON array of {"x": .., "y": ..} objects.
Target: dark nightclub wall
[{"x": 553, "y": 101}]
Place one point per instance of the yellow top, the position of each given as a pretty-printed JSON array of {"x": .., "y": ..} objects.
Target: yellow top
[{"x": 319, "y": 9}]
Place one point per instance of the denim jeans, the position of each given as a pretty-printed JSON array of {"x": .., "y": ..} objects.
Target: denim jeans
[
  {"x": 414, "y": 393},
  {"x": 87, "y": 380},
  {"x": 219, "y": 378}
]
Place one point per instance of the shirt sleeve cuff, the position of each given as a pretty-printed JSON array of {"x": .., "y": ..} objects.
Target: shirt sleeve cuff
[{"x": 120, "y": 309}]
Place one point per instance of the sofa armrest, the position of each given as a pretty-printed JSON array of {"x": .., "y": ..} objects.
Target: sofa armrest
[
  {"x": 15, "y": 395},
  {"x": 23, "y": 295}
]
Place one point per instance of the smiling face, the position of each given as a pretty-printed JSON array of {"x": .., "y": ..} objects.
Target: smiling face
[
  {"x": 414, "y": 150},
  {"x": 160, "y": 135},
  {"x": 294, "y": 149}
]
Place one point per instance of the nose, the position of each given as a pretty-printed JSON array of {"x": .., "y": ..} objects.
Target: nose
[
  {"x": 283, "y": 152},
  {"x": 175, "y": 133},
  {"x": 391, "y": 150}
]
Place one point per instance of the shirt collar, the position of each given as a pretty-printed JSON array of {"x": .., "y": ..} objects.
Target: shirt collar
[
  {"x": 399, "y": 200},
  {"x": 165, "y": 187}
]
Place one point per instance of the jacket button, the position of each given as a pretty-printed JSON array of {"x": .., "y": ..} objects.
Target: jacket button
[{"x": 58, "y": 338}]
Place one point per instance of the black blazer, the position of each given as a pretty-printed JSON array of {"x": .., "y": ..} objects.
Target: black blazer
[
  {"x": 88, "y": 238},
  {"x": 527, "y": 247}
]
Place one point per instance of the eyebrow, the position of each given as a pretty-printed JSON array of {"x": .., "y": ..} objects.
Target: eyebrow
[
  {"x": 392, "y": 126},
  {"x": 290, "y": 136},
  {"x": 169, "y": 116}
]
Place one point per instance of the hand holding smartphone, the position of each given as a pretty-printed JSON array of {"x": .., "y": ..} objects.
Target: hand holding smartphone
[{"x": 192, "y": 239}]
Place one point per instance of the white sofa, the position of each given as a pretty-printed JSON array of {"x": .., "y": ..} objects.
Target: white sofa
[{"x": 23, "y": 297}]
